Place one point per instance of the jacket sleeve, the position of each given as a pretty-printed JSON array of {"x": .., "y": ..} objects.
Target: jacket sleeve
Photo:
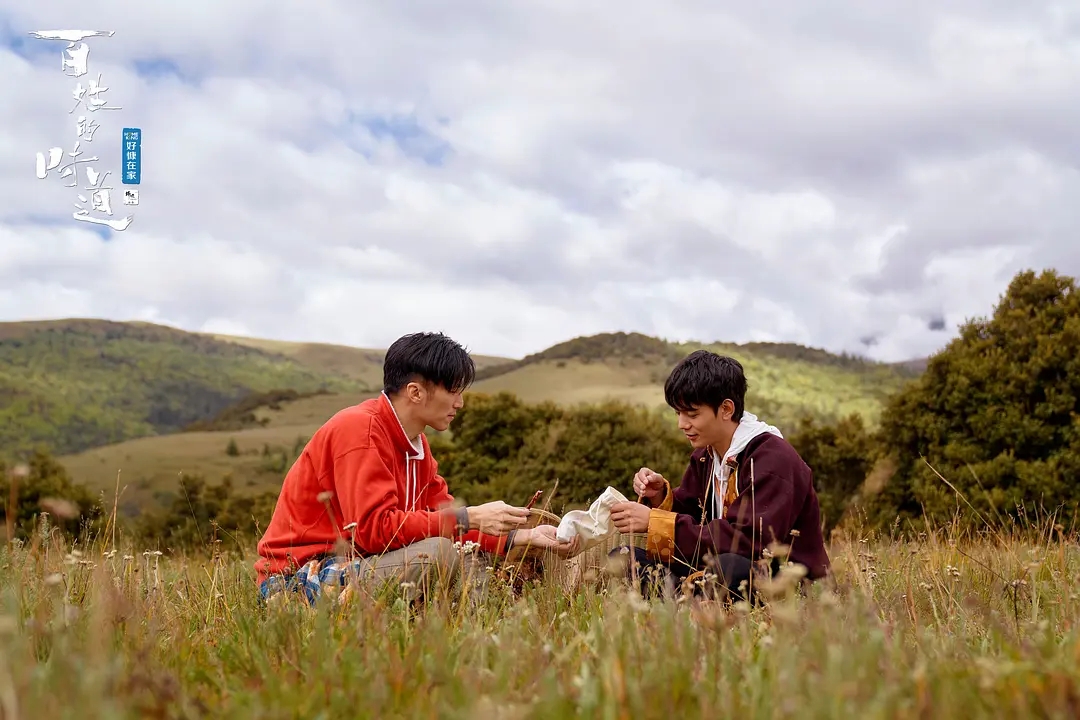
[
  {"x": 683, "y": 499},
  {"x": 761, "y": 514},
  {"x": 442, "y": 499},
  {"x": 367, "y": 495}
]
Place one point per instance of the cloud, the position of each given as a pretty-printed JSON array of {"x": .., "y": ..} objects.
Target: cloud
[{"x": 858, "y": 180}]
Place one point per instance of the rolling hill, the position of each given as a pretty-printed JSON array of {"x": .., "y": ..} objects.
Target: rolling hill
[
  {"x": 786, "y": 381},
  {"x": 70, "y": 385}
]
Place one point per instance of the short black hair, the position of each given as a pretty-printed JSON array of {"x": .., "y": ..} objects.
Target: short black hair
[
  {"x": 431, "y": 357},
  {"x": 706, "y": 378}
]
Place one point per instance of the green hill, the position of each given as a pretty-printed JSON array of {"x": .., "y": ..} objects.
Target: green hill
[
  {"x": 73, "y": 384},
  {"x": 786, "y": 381}
]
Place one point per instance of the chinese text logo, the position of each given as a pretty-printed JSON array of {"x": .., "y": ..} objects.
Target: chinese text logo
[{"x": 97, "y": 207}]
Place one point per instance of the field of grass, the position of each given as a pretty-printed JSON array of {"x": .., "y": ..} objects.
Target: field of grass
[
  {"x": 941, "y": 627},
  {"x": 149, "y": 467}
]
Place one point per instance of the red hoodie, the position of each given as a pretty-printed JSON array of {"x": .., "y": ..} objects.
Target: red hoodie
[{"x": 376, "y": 478}]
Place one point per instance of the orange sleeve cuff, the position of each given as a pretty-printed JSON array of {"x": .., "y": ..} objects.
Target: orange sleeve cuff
[{"x": 660, "y": 540}]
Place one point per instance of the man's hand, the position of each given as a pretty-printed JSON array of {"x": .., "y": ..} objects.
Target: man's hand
[
  {"x": 630, "y": 517},
  {"x": 543, "y": 536},
  {"x": 496, "y": 518},
  {"x": 648, "y": 484}
]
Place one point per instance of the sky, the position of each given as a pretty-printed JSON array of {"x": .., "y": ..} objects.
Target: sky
[{"x": 858, "y": 177}]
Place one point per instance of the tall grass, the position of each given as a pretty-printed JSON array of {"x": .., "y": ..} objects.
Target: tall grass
[{"x": 946, "y": 625}]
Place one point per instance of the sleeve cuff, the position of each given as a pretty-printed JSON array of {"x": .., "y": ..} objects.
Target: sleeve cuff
[{"x": 660, "y": 540}]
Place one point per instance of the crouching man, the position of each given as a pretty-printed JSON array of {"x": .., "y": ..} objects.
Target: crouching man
[
  {"x": 745, "y": 489},
  {"x": 364, "y": 500}
]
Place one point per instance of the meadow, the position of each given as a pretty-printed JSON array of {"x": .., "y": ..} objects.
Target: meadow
[{"x": 943, "y": 624}]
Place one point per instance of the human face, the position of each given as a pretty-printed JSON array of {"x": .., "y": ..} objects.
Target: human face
[
  {"x": 704, "y": 427},
  {"x": 439, "y": 406}
]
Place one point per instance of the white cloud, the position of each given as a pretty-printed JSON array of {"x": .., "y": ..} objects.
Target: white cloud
[{"x": 520, "y": 174}]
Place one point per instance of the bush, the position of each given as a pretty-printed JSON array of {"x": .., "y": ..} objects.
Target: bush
[
  {"x": 997, "y": 414},
  {"x": 38, "y": 484}
]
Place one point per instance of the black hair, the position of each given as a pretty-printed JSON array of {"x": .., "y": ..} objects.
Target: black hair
[
  {"x": 705, "y": 378},
  {"x": 431, "y": 357}
]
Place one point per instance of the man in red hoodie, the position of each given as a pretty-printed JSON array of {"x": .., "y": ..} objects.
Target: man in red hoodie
[{"x": 365, "y": 499}]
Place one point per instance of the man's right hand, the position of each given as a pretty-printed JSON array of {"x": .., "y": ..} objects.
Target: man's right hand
[
  {"x": 496, "y": 518},
  {"x": 648, "y": 484}
]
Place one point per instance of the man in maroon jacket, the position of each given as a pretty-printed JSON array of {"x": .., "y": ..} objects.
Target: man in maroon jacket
[{"x": 745, "y": 487}]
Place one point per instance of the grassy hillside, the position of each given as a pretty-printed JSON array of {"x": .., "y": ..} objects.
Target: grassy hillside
[
  {"x": 363, "y": 365},
  {"x": 72, "y": 384},
  {"x": 785, "y": 382},
  {"x": 148, "y": 468}
]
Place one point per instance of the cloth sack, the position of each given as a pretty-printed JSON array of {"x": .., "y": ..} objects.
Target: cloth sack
[{"x": 590, "y": 525}]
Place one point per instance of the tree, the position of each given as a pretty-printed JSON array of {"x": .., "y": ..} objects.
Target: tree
[
  {"x": 997, "y": 413},
  {"x": 840, "y": 456},
  {"x": 41, "y": 482}
]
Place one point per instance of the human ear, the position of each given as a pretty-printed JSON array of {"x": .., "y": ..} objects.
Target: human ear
[
  {"x": 415, "y": 392},
  {"x": 727, "y": 409}
]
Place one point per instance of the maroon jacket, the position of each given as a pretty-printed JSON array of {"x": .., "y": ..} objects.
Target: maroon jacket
[{"x": 774, "y": 496}]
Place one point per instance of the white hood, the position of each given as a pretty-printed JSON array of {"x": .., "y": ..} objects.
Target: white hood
[{"x": 749, "y": 428}]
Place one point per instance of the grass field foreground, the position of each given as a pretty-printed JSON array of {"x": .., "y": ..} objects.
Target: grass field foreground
[{"x": 934, "y": 628}]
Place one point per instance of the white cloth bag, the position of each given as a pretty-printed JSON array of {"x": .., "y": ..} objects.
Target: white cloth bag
[{"x": 592, "y": 525}]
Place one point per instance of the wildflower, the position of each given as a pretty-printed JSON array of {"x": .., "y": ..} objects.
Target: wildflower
[{"x": 21, "y": 471}]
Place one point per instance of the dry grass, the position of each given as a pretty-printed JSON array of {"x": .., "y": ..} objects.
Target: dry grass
[{"x": 946, "y": 626}]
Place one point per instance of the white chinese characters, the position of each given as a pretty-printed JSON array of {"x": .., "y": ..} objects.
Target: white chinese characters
[{"x": 95, "y": 198}]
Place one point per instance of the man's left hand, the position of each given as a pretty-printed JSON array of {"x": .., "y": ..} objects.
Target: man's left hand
[
  {"x": 630, "y": 517},
  {"x": 543, "y": 536}
]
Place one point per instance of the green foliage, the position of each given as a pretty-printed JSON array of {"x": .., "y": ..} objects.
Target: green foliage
[
  {"x": 996, "y": 414},
  {"x": 43, "y": 479},
  {"x": 201, "y": 514},
  {"x": 504, "y": 449},
  {"x": 840, "y": 456},
  {"x": 71, "y": 385}
]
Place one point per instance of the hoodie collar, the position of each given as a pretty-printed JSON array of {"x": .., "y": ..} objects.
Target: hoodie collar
[
  {"x": 749, "y": 428},
  {"x": 411, "y": 446}
]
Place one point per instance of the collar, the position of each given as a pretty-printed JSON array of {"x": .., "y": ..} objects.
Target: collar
[{"x": 414, "y": 446}]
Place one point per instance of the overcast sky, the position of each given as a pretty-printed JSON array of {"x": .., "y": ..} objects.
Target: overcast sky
[{"x": 849, "y": 175}]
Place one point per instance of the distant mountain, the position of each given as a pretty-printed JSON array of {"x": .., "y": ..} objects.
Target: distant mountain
[{"x": 70, "y": 385}]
